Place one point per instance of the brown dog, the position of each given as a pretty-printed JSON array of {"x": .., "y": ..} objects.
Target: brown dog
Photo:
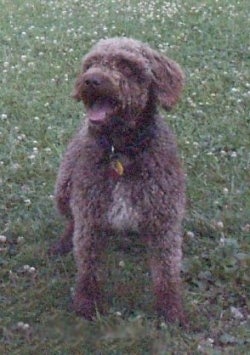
[{"x": 121, "y": 171}]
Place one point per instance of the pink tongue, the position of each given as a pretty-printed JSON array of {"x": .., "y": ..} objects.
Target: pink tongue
[{"x": 99, "y": 111}]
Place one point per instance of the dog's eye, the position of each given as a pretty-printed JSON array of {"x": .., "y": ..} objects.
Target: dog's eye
[
  {"x": 132, "y": 72},
  {"x": 126, "y": 68},
  {"x": 87, "y": 66},
  {"x": 90, "y": 62},
  {"x": 127, "y": 71}
]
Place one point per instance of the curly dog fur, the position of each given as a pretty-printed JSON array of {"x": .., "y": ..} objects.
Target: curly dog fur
[{"x": 121, "y": 172}]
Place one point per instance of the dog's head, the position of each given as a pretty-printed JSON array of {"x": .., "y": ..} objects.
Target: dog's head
[{"x": 122, "y": 77}]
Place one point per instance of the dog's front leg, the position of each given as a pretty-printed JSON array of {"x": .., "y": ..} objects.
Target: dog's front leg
[
  {"x": 165, "y": 263},
  {"x": 88, "y": 248}
]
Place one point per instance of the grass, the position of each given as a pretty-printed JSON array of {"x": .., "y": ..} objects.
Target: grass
[{"x": 42, "y": 43}]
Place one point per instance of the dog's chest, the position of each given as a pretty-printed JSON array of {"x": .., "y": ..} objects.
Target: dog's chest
[{"x": 123, "y": 214}]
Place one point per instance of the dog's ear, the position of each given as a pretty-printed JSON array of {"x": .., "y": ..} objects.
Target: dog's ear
[
  {"x": 77, "y": 92},
  {"x": 168, "y": 79}
]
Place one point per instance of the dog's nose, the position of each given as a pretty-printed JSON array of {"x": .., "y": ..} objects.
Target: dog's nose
[{"x": 93, "y": 81}]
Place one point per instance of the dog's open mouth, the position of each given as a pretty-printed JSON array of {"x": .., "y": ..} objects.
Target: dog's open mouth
[{"x": 101, "y": 109}]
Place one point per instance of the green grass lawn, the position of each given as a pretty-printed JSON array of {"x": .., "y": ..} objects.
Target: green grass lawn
[{"x": 42, "y": 43}]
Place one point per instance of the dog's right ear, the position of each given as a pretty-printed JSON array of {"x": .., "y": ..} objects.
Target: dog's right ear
[{"x": 77, "y": 92}]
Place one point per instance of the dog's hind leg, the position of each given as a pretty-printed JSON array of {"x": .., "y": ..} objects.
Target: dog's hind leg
[{"x": 64, "y": 245}]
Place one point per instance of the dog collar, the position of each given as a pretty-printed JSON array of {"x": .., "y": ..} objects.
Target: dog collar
[
  {"x": 117, "y": 168},
  {"x": 121, "y": 161}
]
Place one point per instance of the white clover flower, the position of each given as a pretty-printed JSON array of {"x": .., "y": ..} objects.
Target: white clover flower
[
  {"x": 6, "y": 64},
  {"x": 233, "y": 155},
  {"x": 21, "y": 137},
  {"x": 23, "y": 58},
  {"x": 16, "y": 166},
  {"x": 190, "y": 234},
  {"x": 163, "y": 325},
  {"x": 4, "y": 116},
  {"x": 225, "y": 190},
  {"x": 3, "y": 239},
  {"x": 236, "y": 313},
  {"x": 122, "y": 264},
  {"x": 246, "y": 228},
  {"x": 20, "y": 324},
  {"x": 27, "y": 202},
  {"x": 20, "y": 240},
  {"x": 219, "y": 224},
  {"x": 23, "y": 326},
  {"x": 29, "y": 269}
]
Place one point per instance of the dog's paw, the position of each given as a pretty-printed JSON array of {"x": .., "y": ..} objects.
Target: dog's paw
[
  {"x": 85, "y": 308},
  {"x": 175, "y": 316}
]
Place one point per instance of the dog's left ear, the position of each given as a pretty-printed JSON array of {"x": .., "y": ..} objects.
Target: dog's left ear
[
  {"x": 77, "y": 92},
  {"x": 168, "y": 79}
]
